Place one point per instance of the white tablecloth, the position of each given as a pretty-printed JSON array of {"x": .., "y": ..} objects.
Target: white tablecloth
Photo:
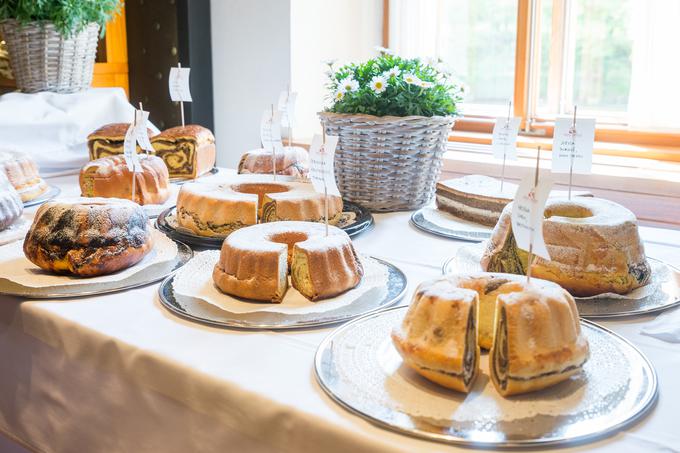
[{"x": 120, "y": 373}]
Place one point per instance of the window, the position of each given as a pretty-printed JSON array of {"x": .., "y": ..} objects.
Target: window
[{"x": 614, "y": 59}]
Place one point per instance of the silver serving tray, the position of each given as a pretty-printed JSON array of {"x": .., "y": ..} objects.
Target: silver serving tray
[
  {"x": 200, "y": 311},
  {"x": 184, "y": 254},
  {"x": 460, "y": 233},
  {"x": 180, "y": 181},
  {"x": 358, "y": 367},
  {"x": 50, "y": 193},
  {"x": 668, "y": 295}
]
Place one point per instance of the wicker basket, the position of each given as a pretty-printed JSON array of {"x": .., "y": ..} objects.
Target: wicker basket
[
  {"x": 44, "y": 60},
  {"x": 388, "y": 163}
]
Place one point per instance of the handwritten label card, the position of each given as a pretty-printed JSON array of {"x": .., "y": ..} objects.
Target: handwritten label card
[
  {"x": 287, "y": 106},
  {"x": 504, "y": 139},
  {"x": 130, "y": 150},
  {"x": 527, "y": 215},
  {"x": 322, "y": 164},
  {"x": 179, "y": 84},
  {"x": 579, "y": 144},
  {"x": 141, "y": 135},
  {"x": 270, "y": 129}
]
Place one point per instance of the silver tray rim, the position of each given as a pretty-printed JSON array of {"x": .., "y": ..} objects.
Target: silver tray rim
[
  {"x": 299, "y": 325},
  {"x": 51, "y": 193},
  {"x": 416, "y": 222},
  {"x": 642, "y": 409},
  {"x": 617, "y": 314},
  {"x": 184, "y": 254}
]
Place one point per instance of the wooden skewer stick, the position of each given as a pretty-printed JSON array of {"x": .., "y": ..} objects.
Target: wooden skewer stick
[
  {"x": 530, "y": 257},
  {"x": 325, "y": 189},
  {"x": 273, "y": 144},
  {"x": 290, "y": 122},
  {"x": 134, "y": 177},
  {"x": 573, "y": 151},
  {"x": 507, "y": 125},
  {"x": 141, "y": 109},
  {"x": 181, "y": 103}
]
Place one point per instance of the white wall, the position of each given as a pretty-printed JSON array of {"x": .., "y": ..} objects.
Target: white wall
[
  {"x": 251, "y": 65},
  {"x": 346, "y": 30}
]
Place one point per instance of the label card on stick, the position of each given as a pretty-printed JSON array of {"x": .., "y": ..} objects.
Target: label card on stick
[
  {"x": 179, "y": 84},
  {"x": 287, "y": 106},
  {"x": 142, "y": 136},
  {"x": 130, "y": 150},
  {"x": 527, "y": 215},
  {"x": 322, "y": 164},
  {"x": 270, "y": 129},
  {"x": 504, "y": 139},
  {"x": 578, "y": 142}
]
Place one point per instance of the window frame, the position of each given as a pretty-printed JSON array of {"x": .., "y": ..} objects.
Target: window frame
[{"x": 610, "y": 138}]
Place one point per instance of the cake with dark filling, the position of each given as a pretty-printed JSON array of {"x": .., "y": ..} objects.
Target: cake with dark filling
[
  {"x": 108, "y": 140},
  {"x": 188, "y": 151},
  {"x": 475, "y": 198},
  {"x": 535, "y": 335},
  {"x": 88, "y": 236}
]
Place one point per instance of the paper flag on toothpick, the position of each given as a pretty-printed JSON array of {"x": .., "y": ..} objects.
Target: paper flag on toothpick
[
  {"x": 130, "y": 150},
  {"x": 142, "y": 137},
  {"x": 322, "y": 164},
  {"x": 504, "y": 138},
  {"x": 287, "y": 101},
  {"x": 568, "y": 142},
  {"x": 179, "y": 84},
  {"x": 270, "y": 129},
  {"x": 527, "y": 215}
]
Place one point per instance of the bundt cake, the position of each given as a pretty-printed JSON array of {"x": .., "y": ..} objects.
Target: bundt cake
[
  {"x": 536, "y": 335},
  {"x": 22, "y": 172},
  {"x": 188, "y": 151},
  {"x": 438, "y": 337},
  {"x": 88, "y": 236},
  {"x": 109, "y": 177},
  {"x": 11, "y": 206},
  {"x": 593, "y": 243},
  {"x": 218, "y": 208},
  {"x": 108, "y": 140},
  {"x": 255, "y": 262},
  {"x": 290, "y": 161}
]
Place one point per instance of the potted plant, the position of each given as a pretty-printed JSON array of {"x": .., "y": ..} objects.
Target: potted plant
[
  {"x": 52, "y": 43},
  {"x": 392, "y": 116}
]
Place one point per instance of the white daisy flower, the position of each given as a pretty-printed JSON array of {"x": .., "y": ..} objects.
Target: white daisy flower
[
  {"x": 339, "y": 95},
  {"x": 424, "y": 84},
  {"x": 348, "y": 85},
  {"x": 412, "y": 79},
  {"x": 394, "y": 72},
  {"x": 384, "y": 50},
  {"x": 378, "y": 84},
  {"x": 330, "y": 62}
]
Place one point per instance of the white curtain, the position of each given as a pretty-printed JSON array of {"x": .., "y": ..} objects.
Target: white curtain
[
  {"x": 417, "y": 28},
  {"x": 654, "y": 93}
]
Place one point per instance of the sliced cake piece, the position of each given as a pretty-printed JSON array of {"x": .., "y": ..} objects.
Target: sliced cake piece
[{"x": 475, "y": 198}]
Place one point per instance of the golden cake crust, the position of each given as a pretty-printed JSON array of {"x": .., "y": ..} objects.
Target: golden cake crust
[
  {"x": 290, "y": 161},
  {"x": 255, "y": 261},
  {"x": 109, "y": 177},
  {"x": 188, "y": 151},
  {"x": 593, "y": 243},
  {"x": 22, "y": 172},
  {"x": 88, "y": 236}
]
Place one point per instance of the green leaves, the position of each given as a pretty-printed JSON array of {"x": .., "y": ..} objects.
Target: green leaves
[
  {"x": 69, "y": 16},
  {"x": 413, "y": 88}
]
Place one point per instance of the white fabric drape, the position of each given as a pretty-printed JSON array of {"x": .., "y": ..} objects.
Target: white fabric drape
[
  {"x": 417, "y": 28},
  {"x": 654, "y": 93}
]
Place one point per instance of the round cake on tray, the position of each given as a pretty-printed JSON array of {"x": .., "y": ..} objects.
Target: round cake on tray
[
  {"x": 11, "y": 206},
  {"x": 290, "y": 161},
  {"x": 88, "y": 236},
  {"x": 22, "y": 172},
  {"x": 255, "y": 262},
  {"x": 594, "y": 247},
  {"x": 218, "y": 208},
  {"x": 536, "y": 338}
]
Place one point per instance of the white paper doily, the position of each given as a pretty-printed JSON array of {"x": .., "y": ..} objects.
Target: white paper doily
[
  {"x": 15, "y": 231},
  {"x": 194, "y": 280}
]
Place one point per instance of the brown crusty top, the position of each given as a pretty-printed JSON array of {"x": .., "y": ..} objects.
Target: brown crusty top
[
  {"x": 114, "y": 131},
  {"x": 188, "y": 132}
]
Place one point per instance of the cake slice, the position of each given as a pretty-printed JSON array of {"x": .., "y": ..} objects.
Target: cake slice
[
  {"x": 475, "y": 198},
  {"x": 438, "y": 337},
  {"x": 108, "y": 140},
  {"x": 188, "y": 151}
]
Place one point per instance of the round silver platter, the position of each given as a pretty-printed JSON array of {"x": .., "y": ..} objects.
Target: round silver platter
[
  {"x": 51, "y": 192},
  {"x": 446, "y": 225},
  {"x": 205, "y": 313},
  {"x": 666, "y": 296},
  {"x": 184, "y": 254},
  {"x": 359, "y": 368}
]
